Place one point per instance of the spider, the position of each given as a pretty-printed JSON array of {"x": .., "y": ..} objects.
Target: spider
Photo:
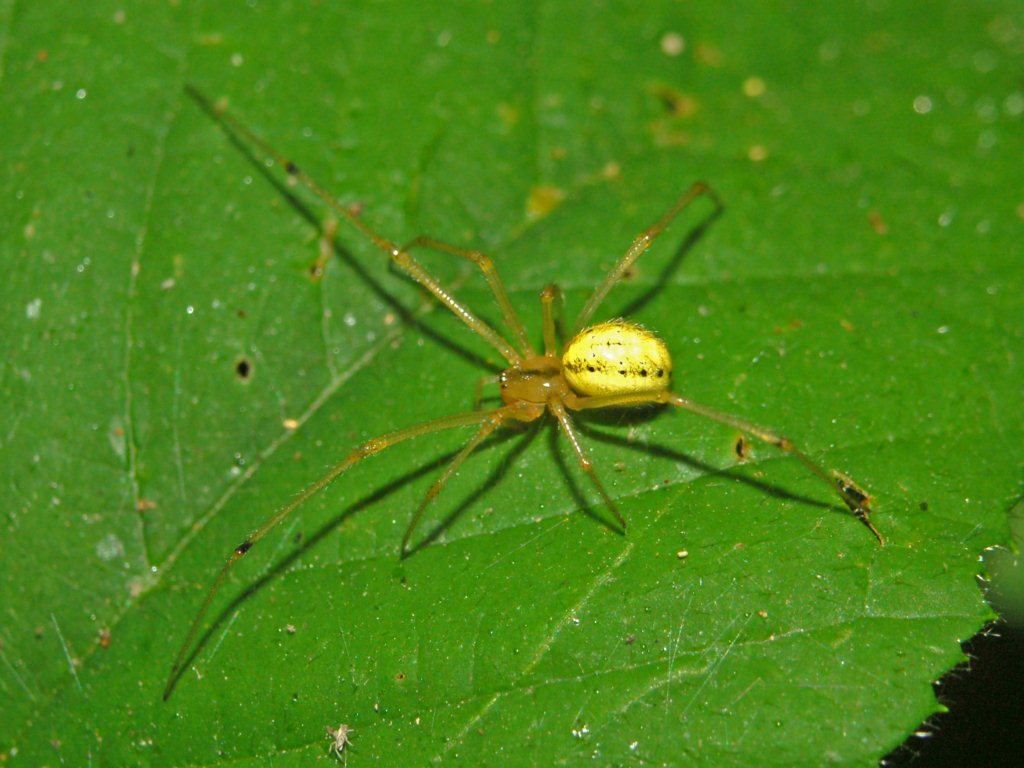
[
  {"x": 611, "y": 364},
  {"x": 339, "y": 740}
]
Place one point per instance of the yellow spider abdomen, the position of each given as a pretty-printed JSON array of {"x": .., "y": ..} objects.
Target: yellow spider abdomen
[{"x": 616, "y": 358}]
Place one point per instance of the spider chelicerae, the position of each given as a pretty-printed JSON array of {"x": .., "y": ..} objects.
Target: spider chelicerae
[{"x": 612, "y": 364}]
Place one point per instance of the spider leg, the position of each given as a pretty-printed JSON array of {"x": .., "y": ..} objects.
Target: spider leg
[
  {"x": 855, "y": 499},
  {"x": 486, "y": 265},
  {"x": 551, "y": 317},
  {"x": 478, "y": 389},
  {"x": 492, "y": 420},
  {"x": 558, "y": 410},
  {"x": 399, "y": 257},
  {"x": 641, "y": 244},
  {"x": 368, "y": 448}
]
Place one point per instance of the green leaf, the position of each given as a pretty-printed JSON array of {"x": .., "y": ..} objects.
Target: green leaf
[{"x": 174, "y": 373}]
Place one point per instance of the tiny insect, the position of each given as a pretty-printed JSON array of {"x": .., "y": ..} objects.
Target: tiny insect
[
  {"x": 610, "y": 364},
  {"x": 339, "y": 740}
]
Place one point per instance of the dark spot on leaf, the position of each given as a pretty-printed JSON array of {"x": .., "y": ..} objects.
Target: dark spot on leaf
[
  {"x": 742, "y": 448},
  {"x": 243, "y": 369}
]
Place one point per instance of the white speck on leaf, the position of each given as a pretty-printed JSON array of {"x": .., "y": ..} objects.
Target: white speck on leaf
[{"x": 109, "y": 548}]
